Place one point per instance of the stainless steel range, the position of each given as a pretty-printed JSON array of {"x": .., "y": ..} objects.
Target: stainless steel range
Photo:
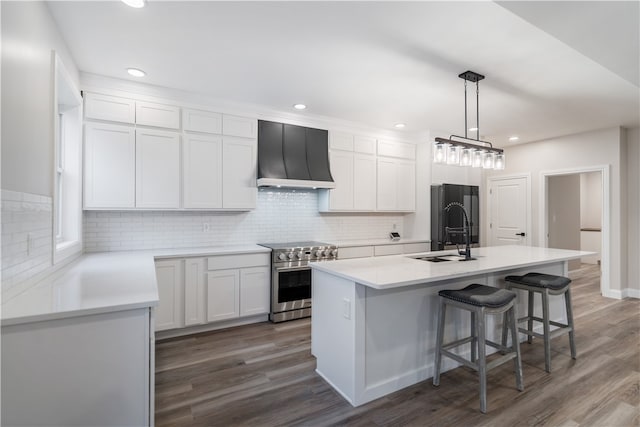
[{"x": 291, "y": 277}]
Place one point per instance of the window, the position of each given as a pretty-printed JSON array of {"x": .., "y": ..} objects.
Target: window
[{"x": 67, "y": 200}]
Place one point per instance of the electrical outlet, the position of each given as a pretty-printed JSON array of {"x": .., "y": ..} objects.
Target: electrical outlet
[
  {"x": 395, "y": 226},
  {"x": 206, "y": 227},
  {"x": 346, "y": 308}
]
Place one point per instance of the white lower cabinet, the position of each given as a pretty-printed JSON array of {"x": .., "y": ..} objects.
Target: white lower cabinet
[
  {"x": 170, "y": 279},
  {"x": 223, "y": 295},
  {"x": 196, "y": 291}
]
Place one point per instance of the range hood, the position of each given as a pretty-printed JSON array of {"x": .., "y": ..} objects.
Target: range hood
[{"x": 293, "y": 156}]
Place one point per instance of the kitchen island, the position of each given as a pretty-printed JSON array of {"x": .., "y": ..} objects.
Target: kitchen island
[{"x": 373, "y": 329}]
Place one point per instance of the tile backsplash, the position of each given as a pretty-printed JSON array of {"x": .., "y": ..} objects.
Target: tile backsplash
[
  {"x": 280, "y": 216},
  {"x": 26, "y": 237}
]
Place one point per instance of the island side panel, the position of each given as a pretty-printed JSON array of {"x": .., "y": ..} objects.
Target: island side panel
[{"x": 333, "y": 331}]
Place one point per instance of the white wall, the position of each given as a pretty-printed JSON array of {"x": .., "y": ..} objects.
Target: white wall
[
  {"x": 28, "y": 37},
  {"x": 591, "y": 149},
  {"x": 633, "y": 206}
]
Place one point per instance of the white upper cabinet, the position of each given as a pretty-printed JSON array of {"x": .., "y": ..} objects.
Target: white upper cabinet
[
  {"x": 111, "y": 108},
  {"x": 396, "y": 185},
  {"x": 387, "y": 184},
  {"x": 364, "y": 182},
  {"x": 396, "y": 149},
  {"x": 202, "y": 171},
  {"x": 364, "y": 144},
  {"x": 239, "y": 189},
  {"x": 340, "y": 141},
  {"x": 201, "y": 121},
  {"x": 341, "y": 197},
  {"x": 157, "y": 169},
  {"x": 159, "y": 115},
  {"x": 109, "y": 166},
  {"x": 243, "y": 127},
  {"x": 406, "y": 190}
]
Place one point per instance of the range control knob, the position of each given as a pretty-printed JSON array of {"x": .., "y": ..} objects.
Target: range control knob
[
  {"x": 327, "y": 252},
  {"x": 282, "y": 256},
  {"x": 319, "y": 254},
  {"x": 334, "y": 253},
  {"x": 291, "y": 255}
]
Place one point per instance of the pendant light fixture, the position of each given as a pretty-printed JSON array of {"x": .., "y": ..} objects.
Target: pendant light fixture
[{"x": 469, "y": 152}]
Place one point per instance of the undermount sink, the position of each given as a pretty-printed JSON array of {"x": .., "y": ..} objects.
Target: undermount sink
[{"x": 438, "y": 258}]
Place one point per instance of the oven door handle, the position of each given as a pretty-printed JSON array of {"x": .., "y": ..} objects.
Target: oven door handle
[{"x": 285, "y": 269}]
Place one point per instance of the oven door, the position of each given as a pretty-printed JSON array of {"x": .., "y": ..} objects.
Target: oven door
[{"x": 291, "y": 288}]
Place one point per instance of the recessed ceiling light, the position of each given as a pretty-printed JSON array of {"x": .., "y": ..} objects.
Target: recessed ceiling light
[
  {"x": 513, "y": 138},
  {"x": 135, "y": 3},
  {"x": 399, "y": 125},
  {"x": 473, "y": 129},
  {"x": 299, "y": 106},
  {"x": 136, "y": 72}
]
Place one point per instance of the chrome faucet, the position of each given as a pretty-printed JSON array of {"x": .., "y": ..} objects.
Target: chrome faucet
[{"x": 466, "y": 229}]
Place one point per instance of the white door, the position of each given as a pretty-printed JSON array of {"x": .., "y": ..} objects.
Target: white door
[
  {"x": 194, "y": 292},
  {"x": 509, "y": 207},
  {"x": 223, "y": 297},
  {"x": 169, "y": 313},
  {"x": 254, "y": 290},
  {"x": 157, "y": 169},
  {"x": 202, "y": 171},
  {"x": 109, "y": 166},
  {"x": 239, "y": 157}
]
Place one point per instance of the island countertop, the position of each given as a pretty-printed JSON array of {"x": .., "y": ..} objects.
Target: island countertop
[{"x": 403, "y": 270}]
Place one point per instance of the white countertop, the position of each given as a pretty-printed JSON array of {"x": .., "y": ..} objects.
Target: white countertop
[
  {"x": 403, "y": 270},
  {"x": 100, "y": 283},
  {"x": 376, "y": 242}
]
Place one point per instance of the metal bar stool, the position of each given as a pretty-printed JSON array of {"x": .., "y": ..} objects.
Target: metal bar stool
[
  {"x": 545, "y": 284},
  {"x": 480, "y": 300}
]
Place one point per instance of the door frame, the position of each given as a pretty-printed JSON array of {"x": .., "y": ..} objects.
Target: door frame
[
  {"x": 543, "y": 227},
  {"x": 490, "y": 181}
]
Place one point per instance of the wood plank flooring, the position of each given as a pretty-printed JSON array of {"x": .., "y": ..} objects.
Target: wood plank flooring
[{"x": 263, "y": 375}]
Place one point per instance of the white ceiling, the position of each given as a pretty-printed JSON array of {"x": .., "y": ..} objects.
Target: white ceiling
[{"x": 552, "y": 68}]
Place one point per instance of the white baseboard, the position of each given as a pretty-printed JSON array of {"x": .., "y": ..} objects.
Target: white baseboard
[
  {"x": 631, "y": 293},
  {"x": 613, "y": 293}
]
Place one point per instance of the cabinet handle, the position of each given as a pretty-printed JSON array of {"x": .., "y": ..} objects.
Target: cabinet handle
[{"x": 520, "y": 234}]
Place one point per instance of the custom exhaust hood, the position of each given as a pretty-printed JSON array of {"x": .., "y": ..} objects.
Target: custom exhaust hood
[{"x": 293, "y": 156}]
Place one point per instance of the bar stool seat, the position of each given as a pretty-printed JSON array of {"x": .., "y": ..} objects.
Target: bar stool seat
[
  {"x": 479, "y": 300},
  {"x": 545, "y": 285}
]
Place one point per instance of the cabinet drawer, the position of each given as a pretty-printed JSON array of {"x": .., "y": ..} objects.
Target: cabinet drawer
[
  {"x": 222, "y": 262},
  {"x": 396, "y": 149},
  {"x": 412, "y": 248},
  {"x": 160, "y": 115},
  {"x": 388, "y": 250},
  {"x": 112, "y": 108},
  {"x": 340, "y": 141},
  {"x": 364, "y": 144},
  {"x": 355, "y": 252},
  {"x": 239, "y": 126},
  {"x": 202, "y": 121}
]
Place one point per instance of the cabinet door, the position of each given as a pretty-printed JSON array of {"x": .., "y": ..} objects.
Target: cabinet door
[
  {"x": 223, "y": 295},
  {"x": 364, "y": 182},
  {"x": 254, "y": 291},
  {"x": 406, "y": 195},
  {"x": 194, "y": 292},
  {"x": 387, "y": 184},
  {"x": 157, "y": 169},
  {"x": 201, "y": 121},
  {"x": 239, "y": 126},
  {"x": 112, "y": 108},
  {"x": 169, "y": 313},
  {"x": 160, "y": 115},
  {"x": 341, "y": 197},
  {"x": 364, "y": 144},
  {"x": 340, "y": 141},
  {"x": 109, "y": 166},
  {"x": 202, "y": 171},
  {"x": 239, "y": 189}
]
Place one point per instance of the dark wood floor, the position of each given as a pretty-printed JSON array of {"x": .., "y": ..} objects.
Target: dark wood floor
[{"x": 263, "y": 375}]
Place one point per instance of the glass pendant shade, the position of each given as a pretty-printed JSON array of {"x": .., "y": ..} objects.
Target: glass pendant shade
[
  {"x": 453, "y": 155},
  {"x": 487, "y": 161},
  {"x": 476, "y": 159},
  {"x": 465, "y": 157},
  {"x": 498, "y": 163},
  {"x": 439, "y": 153}
]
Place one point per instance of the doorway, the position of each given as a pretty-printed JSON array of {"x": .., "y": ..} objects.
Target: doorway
[{"x": 574, "y": 215}]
